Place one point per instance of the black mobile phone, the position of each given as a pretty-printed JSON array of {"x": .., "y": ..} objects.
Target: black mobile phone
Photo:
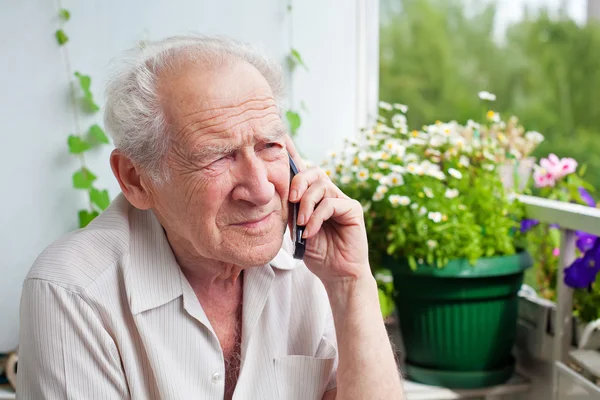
[{"x": 298, "y": 241}]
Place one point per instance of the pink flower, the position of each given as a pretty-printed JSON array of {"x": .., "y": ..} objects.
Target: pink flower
[
  {"x": 566, "y": 166},
  {"x": 556, "y": 252},
  {"x": 543, "y": 177},
  {"x": 551, "y": 164}
]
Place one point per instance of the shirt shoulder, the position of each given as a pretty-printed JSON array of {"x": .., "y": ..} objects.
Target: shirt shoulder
[{"x": 78, "y": 259}]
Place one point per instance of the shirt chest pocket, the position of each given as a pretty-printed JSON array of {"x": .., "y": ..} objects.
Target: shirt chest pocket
[{"x": 305, "y": 377}]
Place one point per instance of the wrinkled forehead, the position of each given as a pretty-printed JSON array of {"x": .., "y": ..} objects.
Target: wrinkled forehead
[{"x": 202, "y": 92}]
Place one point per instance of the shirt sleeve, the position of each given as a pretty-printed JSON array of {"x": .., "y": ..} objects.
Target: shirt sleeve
[{"x": 64, "y": 351}]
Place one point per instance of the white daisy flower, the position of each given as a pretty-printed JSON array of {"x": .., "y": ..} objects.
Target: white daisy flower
[
  {"x": 378, "y": 176},
  {"x": 414, "y": 206},
  {"x": 398, "y": 121},
  {"x": 395, "y": 200},
  {"x": 385, "y": 105},
  {"x": 345, "y": 179},
  {"x": 455, "y": 173},
  {"x": 330, "y": 172},
  {"x": 394, "y": 180},
  {"x": 463, "y": 161},
  {"x": 362, "y": 174},
  {"x": 534, "y": 137},
  {"x": 412, "y": 157},
  {"x": 451, "y": 193},
  {"x": 473, "y": 125},
  {"x": 462, "y": 207},
  {"x": 489, "y": 167},
  {"x": 413, "y": 168},
  {"x": 488, "y": 155},
  {"x": 437, "y": 141},
  {"x": 404, "y": 200},
  {"x": 487, "y": 96},
  {"x": 385, "y": 155},
  {"x": 428, "y": 192},
  {"x": 399, "y": 169},
  {"x": 435, "y": 216},
  {"x": 377, "y": 196},
  {"x": 438, "y": 175},
  {"x": 382, "y": 189},
  {"x": 432, "y": 244},
  {"x": 403, "y": 108},
  {"x": 422, "y": 211},
  {"x": 383, "y": 165},
  {"x": 387, "y": 129}
]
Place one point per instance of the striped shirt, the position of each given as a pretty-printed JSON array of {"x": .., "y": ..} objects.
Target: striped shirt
[{"x": 106, "y": 313}]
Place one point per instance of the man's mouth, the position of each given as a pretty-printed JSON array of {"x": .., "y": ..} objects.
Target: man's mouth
[{"x": 256, "y": 223}]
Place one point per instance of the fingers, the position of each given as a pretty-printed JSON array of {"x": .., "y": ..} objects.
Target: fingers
[
  {"x": 309, "y": 177},
  {"x": 342, "y": 211},
  {"x": 291, "y": 148},
  {"x": 320, "y": 189}
]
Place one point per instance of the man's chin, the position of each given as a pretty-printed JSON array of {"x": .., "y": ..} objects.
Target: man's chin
[{"x": 257, "y": 252}]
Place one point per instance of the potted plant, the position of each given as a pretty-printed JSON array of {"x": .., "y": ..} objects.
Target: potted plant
[
  {"x": 439, "y": 217},
  {"x": 559, "y": 179}
]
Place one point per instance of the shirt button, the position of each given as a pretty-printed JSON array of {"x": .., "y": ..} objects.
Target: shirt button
[{"x": 216, "y": 377}]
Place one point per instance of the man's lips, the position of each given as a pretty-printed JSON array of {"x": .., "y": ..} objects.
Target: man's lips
[{"x": 255, "y": 222}]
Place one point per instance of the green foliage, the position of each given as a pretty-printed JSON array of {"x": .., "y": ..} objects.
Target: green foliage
[
  {"x": 294, "y": 121},
  {"x": 85, "y": 217},
  {"x": 436, "y": 53},
  {"x": 85, "y": 82},
  {"x": 77, "y": 145},
  {"x": 436, "y": 194},
  {"x": 97, "y": 134},
  {"x": 83, "y": 179},
  {"x": 61, "y": 37},
  {"x": 100, "y": 198},
  {"x": 64, "y": 14},
  {"x": 295, "y": 59}
]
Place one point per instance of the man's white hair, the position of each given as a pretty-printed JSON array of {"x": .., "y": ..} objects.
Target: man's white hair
[{"x": 133, "y": 116}]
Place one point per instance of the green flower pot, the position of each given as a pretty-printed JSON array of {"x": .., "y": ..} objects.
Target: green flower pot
[{"x": 458, "y": 323}]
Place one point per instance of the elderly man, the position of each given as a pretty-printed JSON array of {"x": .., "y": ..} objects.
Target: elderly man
[{"x": 185, "y": 287}]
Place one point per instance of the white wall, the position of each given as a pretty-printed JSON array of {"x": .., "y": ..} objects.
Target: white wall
[{"x": 38, "y": 204}]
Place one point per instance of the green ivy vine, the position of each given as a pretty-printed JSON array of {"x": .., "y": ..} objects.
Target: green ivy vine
[
  {"x": 294, "y": 60},
  {"x": 81, "y": 141}
]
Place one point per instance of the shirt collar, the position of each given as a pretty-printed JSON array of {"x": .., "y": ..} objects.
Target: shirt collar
[{"x": 152, "y": 275}]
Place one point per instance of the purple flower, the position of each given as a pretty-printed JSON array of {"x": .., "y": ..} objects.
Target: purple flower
[
  {"x": 527, "y": 224},
  {"x": 582, "y": 273},
  {"x": 587, "y": 197},
  {"x": 585, "y": 241}
]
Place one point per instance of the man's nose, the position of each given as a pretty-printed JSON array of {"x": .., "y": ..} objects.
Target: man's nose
[{"x": 253, "y": 183}]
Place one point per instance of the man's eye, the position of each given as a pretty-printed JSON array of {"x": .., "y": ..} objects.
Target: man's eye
[{"x": 271, "y": 145}]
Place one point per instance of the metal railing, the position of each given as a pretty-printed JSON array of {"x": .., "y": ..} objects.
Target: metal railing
[{"x": 570, "y": 218}]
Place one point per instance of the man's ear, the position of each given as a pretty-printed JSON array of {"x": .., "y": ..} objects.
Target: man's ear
[{"x": 129, "y": 177}]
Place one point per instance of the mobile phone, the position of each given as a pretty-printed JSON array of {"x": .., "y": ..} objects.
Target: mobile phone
[{"x": 299, "y": 243}]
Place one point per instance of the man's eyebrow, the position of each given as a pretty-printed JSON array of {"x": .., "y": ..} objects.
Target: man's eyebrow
[{"x": 211, "y": 150}]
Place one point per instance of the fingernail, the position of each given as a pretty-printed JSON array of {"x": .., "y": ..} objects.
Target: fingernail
[
  {"x": 304, "y": 234},
  {"x": 301, "y": 219},
  {"x": 294, "y": 194}
]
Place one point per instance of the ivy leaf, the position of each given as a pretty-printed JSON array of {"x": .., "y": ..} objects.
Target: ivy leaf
[
  {"x": 83, "y": 179},
  {"x": 100, "y": 198},
  {"x": 77, "y": 145},
  {"x": 85, "y": 82},
  {"x": 98, "y": 134},
  {"x": 61, "y": 37},
  {"x": 294, "y": 120},
  {"x": 85, "y": 217},
  {"x": 64, "y": 14},
  {"x": 296, "y": 59}
]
